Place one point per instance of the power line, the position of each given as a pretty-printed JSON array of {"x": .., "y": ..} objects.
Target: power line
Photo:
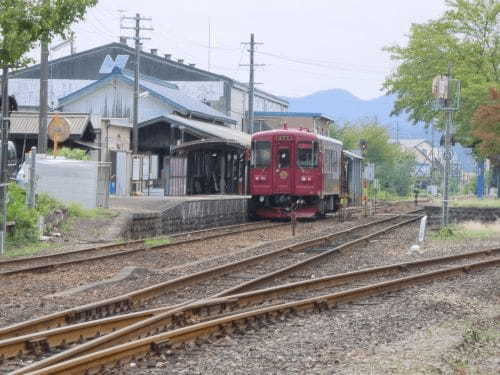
[{"x": 329, "y": 65}]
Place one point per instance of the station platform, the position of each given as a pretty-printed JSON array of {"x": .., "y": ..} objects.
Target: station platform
[
  {"x": 156, "y": 203},
  {"x": 150, "y": 216}
]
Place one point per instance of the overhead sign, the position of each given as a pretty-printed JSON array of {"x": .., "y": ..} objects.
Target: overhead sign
[{"x": 109, "y": 64}]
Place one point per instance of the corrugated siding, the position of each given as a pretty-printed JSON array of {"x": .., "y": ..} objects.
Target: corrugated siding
[
  {"x": 355, "y": 181},
  {"x": 116, "y": 100},
  {"x": 177, "y": 178}
]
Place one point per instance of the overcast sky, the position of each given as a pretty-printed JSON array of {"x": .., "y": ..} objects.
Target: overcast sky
[{"x": 308, "y": 45}]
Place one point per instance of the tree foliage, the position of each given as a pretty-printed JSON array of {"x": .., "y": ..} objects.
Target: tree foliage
[
  {"x": 24, "y": 22},
  {"x": 394, "y": 167},
  {"x": 467, "y": 37},
  {"x": 486, "y": 127}
]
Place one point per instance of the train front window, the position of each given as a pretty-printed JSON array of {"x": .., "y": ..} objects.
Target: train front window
[
  {"x": 261, "y": 154},
  {"x": 283, "y": 158},
  {"x": 307, "y": 154}
]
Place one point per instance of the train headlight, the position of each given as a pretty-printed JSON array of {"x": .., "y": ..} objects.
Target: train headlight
[
  {"x": 303, "y": 178},
  {"x": 261, "y": 199}
]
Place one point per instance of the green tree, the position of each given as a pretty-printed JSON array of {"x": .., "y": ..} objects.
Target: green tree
[
  {"x": 467, "y": 37},
  {"x": 394, "y": 167},
  {"x": 25, "y": 22}
]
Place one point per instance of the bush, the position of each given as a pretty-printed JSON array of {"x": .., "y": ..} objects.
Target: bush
[
  {"x": 26, "y": 218},
  {"x": 72, "y": 153}
]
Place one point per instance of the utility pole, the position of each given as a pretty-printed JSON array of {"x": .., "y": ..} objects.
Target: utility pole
[
  {"x": 251, "y": 93},
  {"x": 44, "y": 99},
  {"x": 137, "y": 38},
  {"x": 4, "y": 151},
  {"x": 251, "y": 84}
]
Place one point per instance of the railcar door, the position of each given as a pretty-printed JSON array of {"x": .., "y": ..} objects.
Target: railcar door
[{"x": 282, "y": 163}]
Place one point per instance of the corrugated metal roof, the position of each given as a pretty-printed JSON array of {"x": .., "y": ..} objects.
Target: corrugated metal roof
[
  {"x": 162, "y": 90},
  {"x": 204, "y": 129},
  {"x": 352, "y": 154},
  {"x": 213, "y": 130},
  {"x": 181, "y": 99},
  {"x": 27, "y": 122}
]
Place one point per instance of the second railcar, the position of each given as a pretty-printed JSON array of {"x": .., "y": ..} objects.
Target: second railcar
[{"x": 294, "y": 171}]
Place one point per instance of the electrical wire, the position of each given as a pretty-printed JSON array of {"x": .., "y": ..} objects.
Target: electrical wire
[{"x": 325, "y": 65}]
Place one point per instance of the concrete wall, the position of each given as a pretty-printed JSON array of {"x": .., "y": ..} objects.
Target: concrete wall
[
  {"x": 460, "y": 214},
  {"x": 187, "y": 216}
]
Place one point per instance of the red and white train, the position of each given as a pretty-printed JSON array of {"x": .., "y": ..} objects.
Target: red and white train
[{"x": 297, "y": 171}]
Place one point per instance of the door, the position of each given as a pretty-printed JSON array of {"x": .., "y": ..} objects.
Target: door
[
  {"x": 177, "y": 176},
  {"x": 282, "y": 176}
]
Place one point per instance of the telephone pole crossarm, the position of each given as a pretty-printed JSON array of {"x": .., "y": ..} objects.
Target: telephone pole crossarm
[{"x": 137, "y": 38}]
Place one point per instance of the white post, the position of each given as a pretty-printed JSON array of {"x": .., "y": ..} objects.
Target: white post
[
  {"x": 31, "y": 186},
  {"x": 421, "y": 234}
]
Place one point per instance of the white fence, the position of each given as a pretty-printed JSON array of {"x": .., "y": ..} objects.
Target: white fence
[{"x": 71, "y": 181}]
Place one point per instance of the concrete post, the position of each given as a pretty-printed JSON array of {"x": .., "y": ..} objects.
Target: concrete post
[
  {"x": 3, "y": 158},
  {"x": 32, "y": 186}
]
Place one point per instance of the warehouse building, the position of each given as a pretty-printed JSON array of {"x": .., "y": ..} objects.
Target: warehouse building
[{"x": 72, "y": 72}]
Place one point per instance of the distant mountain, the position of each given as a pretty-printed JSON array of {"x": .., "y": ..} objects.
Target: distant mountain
[{"x": 343, "y": 106}]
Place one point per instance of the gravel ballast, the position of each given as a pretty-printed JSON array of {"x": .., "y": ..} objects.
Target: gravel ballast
[{"x": 446, "y": 327}]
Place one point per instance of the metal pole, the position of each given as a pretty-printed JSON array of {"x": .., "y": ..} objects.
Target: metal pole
[
  {"x": 3, "y": 162},
  {"x": 135, "y": 130},
  {"x": 31, "y": 191},
  {"x": 251, "y": 86},
  {"x": 447, "y": 154},
  {"x": 44, "y": 100}
]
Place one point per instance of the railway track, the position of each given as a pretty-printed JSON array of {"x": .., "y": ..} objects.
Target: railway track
[
  {"x": 224, "y": 283},
  {"x": 140, "y": 298},
  {"x": 171, "y": 329},
  {"x": 55, "y": 261}
]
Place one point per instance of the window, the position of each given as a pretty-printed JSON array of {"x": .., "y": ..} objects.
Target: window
[
  {"x": 284, "y": 158},
  {"x": 261, "y": 154},
  {"x": 307, "y": 154}
]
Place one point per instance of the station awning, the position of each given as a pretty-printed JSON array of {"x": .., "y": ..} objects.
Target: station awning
[
  {"x": 202, "y": 129},
  {"x": 209, "y": 145}
]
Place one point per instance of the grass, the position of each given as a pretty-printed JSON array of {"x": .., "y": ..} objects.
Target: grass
[
  {"x": 76, "y": 210},
  {"x": 157, "y": 241},
  {"x": 19, "y": 250},
  {"x": 475, "y": 202},
  {"x": 468, "y": 230}
]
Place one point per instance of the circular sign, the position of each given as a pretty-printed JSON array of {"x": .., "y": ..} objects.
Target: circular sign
[
  {"x": 58, "y": 128},
  {"x": 283, "y": 174}
]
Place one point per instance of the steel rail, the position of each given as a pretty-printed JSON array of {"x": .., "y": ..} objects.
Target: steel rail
[
  {"x": 127, "y": 302},
  {"x": 69, "y": 253},
  {"x": 265, "y": 278},
  {"x": 170, "y": 316},
  {"x": 96, "y": 361},
  {"x": 56, "y": 265}
]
